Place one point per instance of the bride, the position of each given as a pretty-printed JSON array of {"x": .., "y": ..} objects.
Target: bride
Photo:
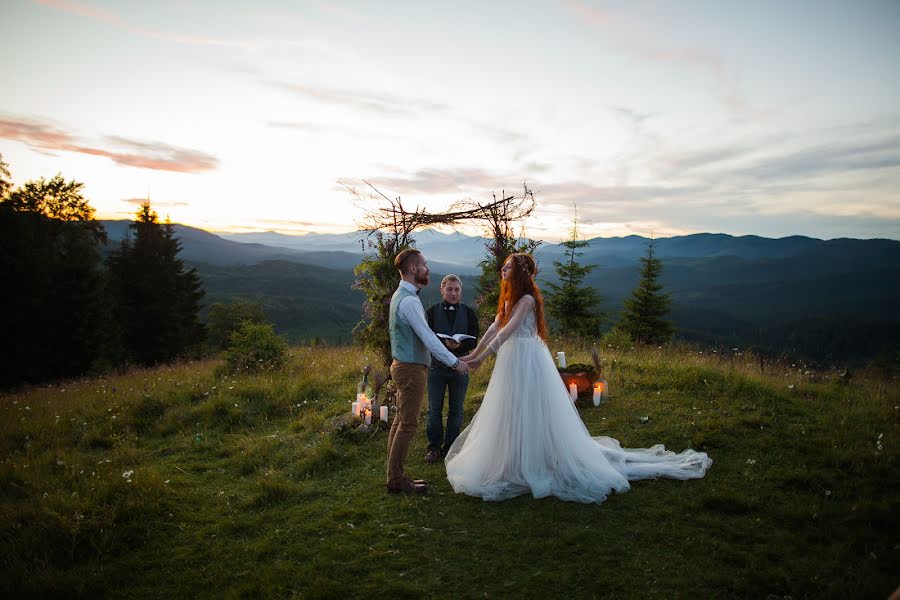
[{"x": 527, "y": 437}]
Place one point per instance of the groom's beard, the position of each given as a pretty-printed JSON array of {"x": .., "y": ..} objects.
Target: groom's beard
[{"x": 423, "y": 281}]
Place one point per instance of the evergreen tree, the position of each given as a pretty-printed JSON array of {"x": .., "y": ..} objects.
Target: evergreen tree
[
  {"x": 643, "y": 316},
  {"x": 157, "y": 299},
  {"x": 573, "y": 306},
  {"x": 55, "y": 314},
  {"x": 225, "y": 319},
  {"x": 5, "y": 179}
]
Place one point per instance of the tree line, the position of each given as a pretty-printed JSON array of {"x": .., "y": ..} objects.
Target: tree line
[{"x": 75, "y": 306}]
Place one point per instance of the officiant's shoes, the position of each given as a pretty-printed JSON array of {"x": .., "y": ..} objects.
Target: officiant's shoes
[
  {"x": 407, "y": 486},
  {"x": 433, "y": 456}
]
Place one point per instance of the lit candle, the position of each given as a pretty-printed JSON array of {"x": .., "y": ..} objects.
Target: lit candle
[
  {"x": 598, "y": 393},
  {"x": 561, "y": 359},
  {"x": 384, "y": 413},
  {"x": 573, "y": 392},
  {"x": 368, "y": 417},
  {"x": 354, "y": 409}
]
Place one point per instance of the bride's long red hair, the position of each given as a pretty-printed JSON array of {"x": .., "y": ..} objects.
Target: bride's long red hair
[{"x": 520, "y": 282}]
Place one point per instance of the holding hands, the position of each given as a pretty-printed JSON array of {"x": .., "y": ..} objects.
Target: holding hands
[{"x": 471, "y": 360}]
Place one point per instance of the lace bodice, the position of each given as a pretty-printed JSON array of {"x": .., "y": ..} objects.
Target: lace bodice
[
  {"x": 522, "y": 324},
  {"x": 528, "y": 326}
]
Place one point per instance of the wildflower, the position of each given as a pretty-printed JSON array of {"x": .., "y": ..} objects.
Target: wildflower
[
  {"x": 751, "y": 461},
  {"x": 827, "y": 492},
  {"x": 128, "y": 474}
]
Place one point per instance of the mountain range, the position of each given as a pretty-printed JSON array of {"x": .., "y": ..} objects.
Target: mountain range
[{"x": 827, "y": 299}]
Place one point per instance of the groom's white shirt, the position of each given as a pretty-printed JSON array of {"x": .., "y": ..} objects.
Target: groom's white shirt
[{"x": 411, "y": 311}]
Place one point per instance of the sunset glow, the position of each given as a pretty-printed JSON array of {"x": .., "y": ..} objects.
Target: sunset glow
[{"x": 652, "y": 117}]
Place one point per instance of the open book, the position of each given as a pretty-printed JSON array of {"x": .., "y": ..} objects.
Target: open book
[{"x": 457, "y": 337}]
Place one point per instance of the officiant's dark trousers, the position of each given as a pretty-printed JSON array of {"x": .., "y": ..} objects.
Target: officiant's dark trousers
[{"x": 410, "y": 379}]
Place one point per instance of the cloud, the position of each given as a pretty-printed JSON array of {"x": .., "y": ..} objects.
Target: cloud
[
  {"x": 43, "y": 136},
  {"x": 155, "y": 203},
  {"x": 443, "y": 181},
  {"x": 365, "y": 100},
  {"x": 110, "y": 18},
  {"x": 832, "y": 158},
  {"x": 635, "y": 38}
]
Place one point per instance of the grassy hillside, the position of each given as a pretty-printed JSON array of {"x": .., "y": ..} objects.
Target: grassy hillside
[{"x": 175, "y": 482}]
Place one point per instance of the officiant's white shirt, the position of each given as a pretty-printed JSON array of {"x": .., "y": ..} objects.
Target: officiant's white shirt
[{"x": 412, "y": 312}]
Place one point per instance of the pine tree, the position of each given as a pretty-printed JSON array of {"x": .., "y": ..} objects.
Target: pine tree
[
  {"x": 571, "y": 305},
  {"x": 643, "y": 316},
  {"x": 55, "y": 312},
  {"x": 157, "y": 299}
]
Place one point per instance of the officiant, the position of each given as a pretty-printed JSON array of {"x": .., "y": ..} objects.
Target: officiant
[{"x": 448, "y": 317}]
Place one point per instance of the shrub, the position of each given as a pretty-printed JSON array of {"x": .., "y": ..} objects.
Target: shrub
[
  {"x": 618, "y": 339},
  {"x": 255, "y": 348}
]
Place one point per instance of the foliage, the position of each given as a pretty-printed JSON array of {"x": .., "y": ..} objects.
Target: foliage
[
  {"x": 377, "y": 278},
  {"x": 498, "y": 217},
  {"x": 55, "y": 313},
  {"x": 577, "y": 368},
  {"x": 643, "y": 317},
  {"x": 57, "y": 198},
  {"x": 571, "y": 305},
  {"x": 255, "y": 348},
  {"x": 157, "y": 300},
  {"x": 617, "y": 339},
  {"x": 500, "y": 222},
  {"x": 223, "y": 319},
  {"x": 5, "y": 179},
  {"x": 244, "y": 486}
]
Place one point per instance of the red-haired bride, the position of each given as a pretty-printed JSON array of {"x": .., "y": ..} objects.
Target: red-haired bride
[{"x": 527, "y": 436}]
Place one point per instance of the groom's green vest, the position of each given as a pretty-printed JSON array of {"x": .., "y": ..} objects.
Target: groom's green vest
[{"x": 406, "y": 346}]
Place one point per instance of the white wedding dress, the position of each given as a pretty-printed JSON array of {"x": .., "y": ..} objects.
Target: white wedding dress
[{"x": 528, "y": 437}]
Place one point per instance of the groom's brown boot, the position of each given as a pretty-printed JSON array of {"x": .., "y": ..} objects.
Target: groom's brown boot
[{"x": 406, "y": 486}]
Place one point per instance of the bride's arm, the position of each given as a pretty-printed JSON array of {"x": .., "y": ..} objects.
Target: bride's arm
[
  {"x": 500, "y": 335},
  {"x": 524, "y": 306},
  {"x": 485, "y": 340}
]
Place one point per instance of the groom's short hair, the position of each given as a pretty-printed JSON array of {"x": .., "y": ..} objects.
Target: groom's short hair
[{"x": 405, "y": 260}]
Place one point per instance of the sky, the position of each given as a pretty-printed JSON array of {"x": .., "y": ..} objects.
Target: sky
[{"x": 669, "y": 118}]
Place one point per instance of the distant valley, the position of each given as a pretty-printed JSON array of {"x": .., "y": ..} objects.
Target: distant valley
[{"x": 833, "y": 300}]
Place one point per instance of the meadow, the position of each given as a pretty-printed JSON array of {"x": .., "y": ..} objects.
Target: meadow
[{"x": 182, "y": 481}]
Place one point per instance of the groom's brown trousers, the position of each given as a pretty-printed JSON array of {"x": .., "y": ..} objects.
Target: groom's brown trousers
[{"x": 410, "y": 379}]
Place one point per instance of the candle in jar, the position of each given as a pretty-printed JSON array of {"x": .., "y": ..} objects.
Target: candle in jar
[
  {"x": 384, "y": 413},
  {"x": 561, "y": 359},
  {"x": 573, "y": 392},
  {"x": 368, "y": 417}
]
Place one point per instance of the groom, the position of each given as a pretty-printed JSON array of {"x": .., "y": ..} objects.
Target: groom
[{"x": 412, "y": 344}]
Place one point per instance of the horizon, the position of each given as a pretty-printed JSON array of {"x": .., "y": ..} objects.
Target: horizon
[
  {"x": 543, "y": 240},
  {"x": 646, "y": 119}
]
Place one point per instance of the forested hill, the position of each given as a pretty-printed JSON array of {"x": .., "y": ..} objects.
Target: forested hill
[{"x": 827, "y": 299}]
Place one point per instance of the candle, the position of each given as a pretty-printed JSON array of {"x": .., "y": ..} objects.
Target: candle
[
  {"x": 384, "y": 413},
  {"x": 561, "y": 359},
  {"x": 598, "y": 391},
  {"x": 354, "y": 409},
  {"x": 368, "y": 417},
  {"x": 573, "y": 392}
]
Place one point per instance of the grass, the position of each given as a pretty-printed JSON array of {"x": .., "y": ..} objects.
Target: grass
[{"x": 178, "y": 482}]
